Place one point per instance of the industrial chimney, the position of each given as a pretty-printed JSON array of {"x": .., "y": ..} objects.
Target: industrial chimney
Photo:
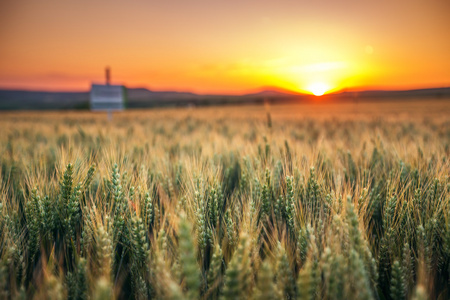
[{"x": 108, "y": 75}]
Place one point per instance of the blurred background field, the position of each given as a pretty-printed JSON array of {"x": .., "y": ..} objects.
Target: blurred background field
[{"x": 317, "y": 200}]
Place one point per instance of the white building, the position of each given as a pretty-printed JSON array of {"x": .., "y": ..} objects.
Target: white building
[{"x": 107, "y": 97}]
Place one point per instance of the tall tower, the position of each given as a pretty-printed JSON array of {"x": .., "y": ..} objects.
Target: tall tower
[{"x": 108, "y": 75}]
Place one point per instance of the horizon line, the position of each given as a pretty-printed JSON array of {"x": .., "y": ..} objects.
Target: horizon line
[{"x": 248, "y": 92}]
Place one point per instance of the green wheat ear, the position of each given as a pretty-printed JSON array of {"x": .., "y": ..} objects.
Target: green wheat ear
[
  {"x": 65, "y": 199},
  {"x": 66, "y": 184},
  {"x": 104, "y": 251},
  {"x": 265, "y": 287},
  {"x": 33, "y": 224},
  {"x": 190, "y": 268},
  {"x": 76, "y": 282},
  {"x": 290, "y": 204},
  {"x": 397, "y": 282},
  {"x": 305, "y": 286},
  {"x": 408, "y": 267},
  {"x": 89, "y": 177},
  {"x": 215, "y": 272},
  {"x": 140, "y": 255},
  {"x": 238, "y": 273},
  {"x": 201, "y": 224},
  {"x": 285, "y": 276},
  {"x": 360, "y": 276}
]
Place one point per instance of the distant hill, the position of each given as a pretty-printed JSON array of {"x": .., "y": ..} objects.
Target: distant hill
[
  {"x": 433, "y": 92},
  {"x": 12, "y": 99},
  {"x": 142, "y": 97},
  {"x": 137, "y": 97}
]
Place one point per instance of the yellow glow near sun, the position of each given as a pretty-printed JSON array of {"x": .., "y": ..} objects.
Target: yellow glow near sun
[{"x": 318, "y": 88}]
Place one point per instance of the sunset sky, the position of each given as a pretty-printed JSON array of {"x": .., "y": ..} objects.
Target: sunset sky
[{"x": 225, "y": 46}]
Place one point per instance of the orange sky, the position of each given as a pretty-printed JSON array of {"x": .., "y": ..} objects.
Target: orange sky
[{"x": 213, "y": 46}]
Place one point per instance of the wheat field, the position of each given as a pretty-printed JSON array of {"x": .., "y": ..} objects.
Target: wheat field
[{"x": 308, "y": 201}]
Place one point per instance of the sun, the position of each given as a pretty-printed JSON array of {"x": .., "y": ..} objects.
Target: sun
[{"x": 318, "y": 88}]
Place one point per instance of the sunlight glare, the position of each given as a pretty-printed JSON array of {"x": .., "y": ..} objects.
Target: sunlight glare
[{"x": 318, "y": 88}]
